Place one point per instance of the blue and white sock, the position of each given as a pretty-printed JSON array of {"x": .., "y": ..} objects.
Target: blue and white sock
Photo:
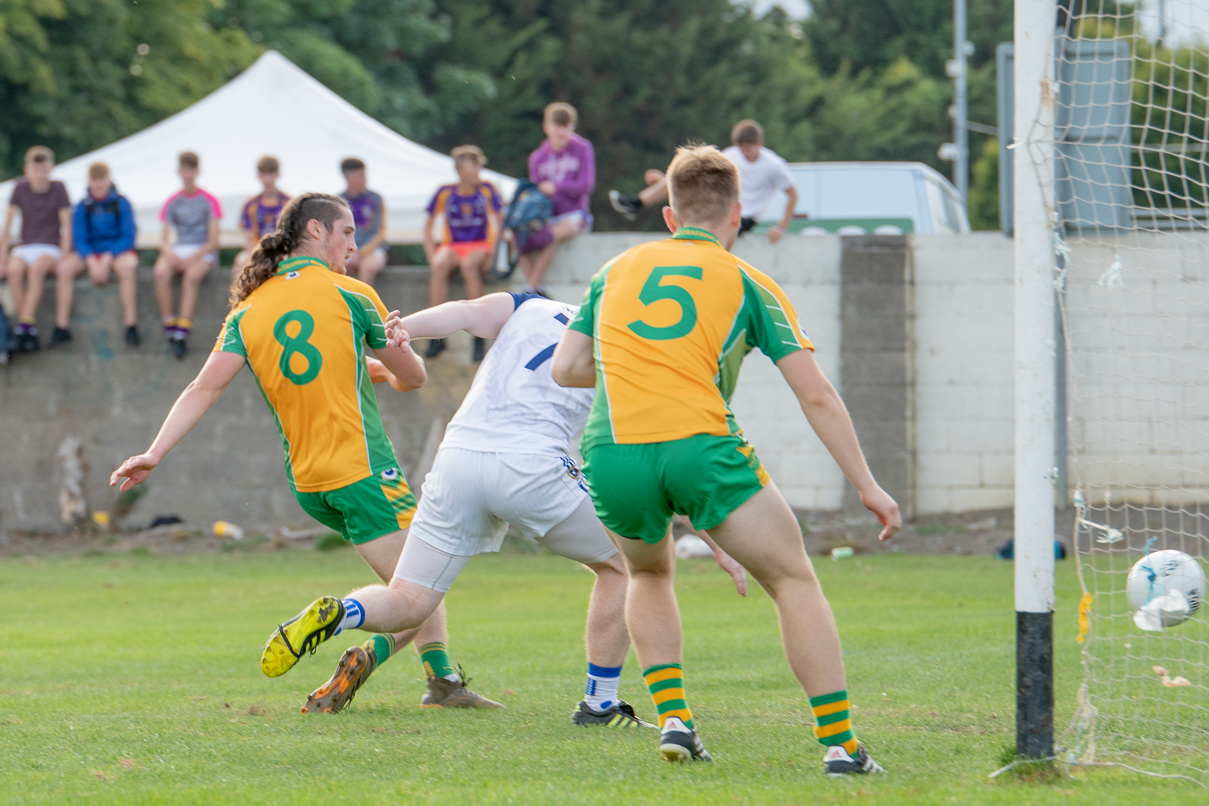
[
  {"x": 603, "y": 684},
  {"x": 354, "y": 616}
]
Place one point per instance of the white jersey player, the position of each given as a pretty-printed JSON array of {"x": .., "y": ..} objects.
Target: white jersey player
[{"x": 505, "y": 459}]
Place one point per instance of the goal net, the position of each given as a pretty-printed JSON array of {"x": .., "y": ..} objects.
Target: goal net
[{"x": 1130, "y": 196}]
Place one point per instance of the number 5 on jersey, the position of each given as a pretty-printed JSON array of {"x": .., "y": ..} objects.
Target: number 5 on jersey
[
  {"x": 653, "y": 290},
  {"x": 298, "y": 350}
]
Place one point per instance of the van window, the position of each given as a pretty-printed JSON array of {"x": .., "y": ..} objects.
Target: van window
[{"x": 866, "y": 193}]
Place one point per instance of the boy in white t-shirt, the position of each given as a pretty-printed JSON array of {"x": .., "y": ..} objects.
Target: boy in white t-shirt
[{"x": 761, "y": 174}]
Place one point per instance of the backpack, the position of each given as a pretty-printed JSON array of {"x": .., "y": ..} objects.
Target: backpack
[{"x": 525, "y": 216}]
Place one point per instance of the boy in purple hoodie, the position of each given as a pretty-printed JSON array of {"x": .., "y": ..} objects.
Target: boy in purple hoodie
[{"x": 564, "y": 168}]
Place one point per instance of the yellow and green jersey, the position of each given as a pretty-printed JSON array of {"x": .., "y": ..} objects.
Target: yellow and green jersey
[
  {"x": 304, "y": 334},
  {"x": 671, "y": 322}
]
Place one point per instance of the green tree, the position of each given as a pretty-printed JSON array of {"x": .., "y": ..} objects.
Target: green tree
[
  {"x": 984, "y": 190},
  {"x": 645, "y": 75},
  {"x": 75, "y": 74}
]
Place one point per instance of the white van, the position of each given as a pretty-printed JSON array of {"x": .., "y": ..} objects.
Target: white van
[{"x": 869, "y": 198}]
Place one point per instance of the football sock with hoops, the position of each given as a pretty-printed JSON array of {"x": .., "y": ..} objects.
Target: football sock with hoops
[
  {"x": 435, "y": 657},
  {"x": 832, "y": 723},
  {"x": 666, "y": 683},
  {"x": 383, "y": 647},
  {"x": 354, "y": 616},
  {"x": 603, "y": 685}
]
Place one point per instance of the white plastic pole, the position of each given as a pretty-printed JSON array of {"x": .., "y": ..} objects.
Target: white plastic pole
[{"x": 1035, "y": 21}]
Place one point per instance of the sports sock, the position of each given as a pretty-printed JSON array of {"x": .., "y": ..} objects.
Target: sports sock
[
  {"x": 383, "y": 647},
  {"x": 169, "y": 326},
  {"x": 666, "y": 683},
  {"x": 603, "y": 684},
  {"x": 354, "y": 616},
  {"x": 183, "y": 326},
  {"x": 435, "y": 658},
  {"x": 25, "y": 320},
  {"x": 832, "y": 723}
]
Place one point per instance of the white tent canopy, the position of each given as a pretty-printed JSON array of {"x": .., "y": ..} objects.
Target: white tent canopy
[{"x": 275, "y": 108}]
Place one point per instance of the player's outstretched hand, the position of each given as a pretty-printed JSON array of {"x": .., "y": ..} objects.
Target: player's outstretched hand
[
  {"x": 731, "y": 566},
  {"x": 879, "y": 502},
  {"x": 134, "y": 470}
]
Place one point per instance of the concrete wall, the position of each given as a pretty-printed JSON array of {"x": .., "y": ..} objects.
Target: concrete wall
[
  {"x": 916, "y": 334},
  {"x": 113, "y": 398}
]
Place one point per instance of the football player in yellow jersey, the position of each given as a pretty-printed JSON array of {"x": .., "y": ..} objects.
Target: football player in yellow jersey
[
  {"x": 302, "y": 327},
  {"x": 660, "y": 335}
]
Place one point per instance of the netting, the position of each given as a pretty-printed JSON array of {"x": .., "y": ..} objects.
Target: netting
[{"x": 1130, "y": 197}]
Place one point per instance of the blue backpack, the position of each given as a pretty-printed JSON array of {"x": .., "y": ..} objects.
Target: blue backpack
[{"x": 525, "y": 216}]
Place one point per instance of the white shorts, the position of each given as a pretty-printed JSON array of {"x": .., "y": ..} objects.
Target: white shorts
[
  {"x": 184, "y": 251},
  {"x": 469, "y": 498},
  {"x": 30, "y": 253},
  {"x": 582, "y": 220}
]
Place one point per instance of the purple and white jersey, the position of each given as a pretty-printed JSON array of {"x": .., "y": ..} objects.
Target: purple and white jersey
[
  {"x": 572, "y": 170},
  {"x": 367, "y": 215},
  {"x": 514, "y": 405}
]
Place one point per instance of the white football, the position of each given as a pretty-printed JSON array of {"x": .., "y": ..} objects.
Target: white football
[{"x": 1161, "y": 573}]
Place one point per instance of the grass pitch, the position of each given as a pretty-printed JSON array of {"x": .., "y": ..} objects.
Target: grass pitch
[{"x": 135, "y": 679}]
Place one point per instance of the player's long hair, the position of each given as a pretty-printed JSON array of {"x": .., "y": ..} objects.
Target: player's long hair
[{"x": 291, "y": 233}]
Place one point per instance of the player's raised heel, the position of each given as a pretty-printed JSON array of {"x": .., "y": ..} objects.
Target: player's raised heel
[
  {"x": 681, "y": 744},
  {"x": 837, "y": 762},
  {"x": 301, "y": 634},
  {"x": 354, "y": 668}
]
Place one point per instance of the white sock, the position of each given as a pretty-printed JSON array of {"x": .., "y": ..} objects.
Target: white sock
[
  {"x": 673, "y": 723},
  {"x": 354, "y": 616},
  {"x": 603, "y": 684}
]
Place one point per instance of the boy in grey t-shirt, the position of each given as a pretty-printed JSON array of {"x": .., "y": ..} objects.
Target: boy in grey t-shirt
[{"x": 195, "y": 216}]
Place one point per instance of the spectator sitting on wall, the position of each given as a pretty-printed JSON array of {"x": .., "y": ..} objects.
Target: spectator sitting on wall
[
  {"x": 104, "y": 231},
  {"x": 45, "y": 238},
  {"x": 369, "y": 216},
  {"x": 761, "y": 174},
  {"x": 564, "y": 168},
  {"x": 472, "y": 211},
  {"x": 259, "y": 216},
  {"x": 195, "y": 215}
]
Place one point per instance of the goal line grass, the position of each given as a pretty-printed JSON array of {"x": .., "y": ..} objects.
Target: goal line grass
[{"x": 135, "y": 679}]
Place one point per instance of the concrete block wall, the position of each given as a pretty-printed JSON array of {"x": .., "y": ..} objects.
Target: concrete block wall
[
  {"x": 113, "y": 399},
  {"x": 1139, "y": 368},
  {"x": 936, "y": 403},
  {"x": 964, "y": 428}
]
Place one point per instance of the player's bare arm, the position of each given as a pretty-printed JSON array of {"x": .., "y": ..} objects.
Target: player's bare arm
[
  {"x": 482, "y": 317},
  {"x": 201, "y": 393},
  {"x": 829, "y": 418},
  {"x": 403, "y": 364},
  {"x": 726, "y": 562},
  {"x": 574, "y": 362}
]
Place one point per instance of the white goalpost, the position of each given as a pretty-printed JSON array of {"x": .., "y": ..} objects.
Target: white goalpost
[{"x": 1112, "y": 220}]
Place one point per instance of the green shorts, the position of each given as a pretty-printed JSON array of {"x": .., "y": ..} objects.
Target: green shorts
[
  {"x": 364, "y": 510},
  {"x": 637, "y": 488}
]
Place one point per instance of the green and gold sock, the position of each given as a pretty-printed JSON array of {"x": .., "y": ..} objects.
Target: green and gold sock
[
  {"x": 832, "y": 724},
  {"x": 666, "y": 684},
  {"x": 383, "y": 646},
  {"x": 435, "y": 657}
]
